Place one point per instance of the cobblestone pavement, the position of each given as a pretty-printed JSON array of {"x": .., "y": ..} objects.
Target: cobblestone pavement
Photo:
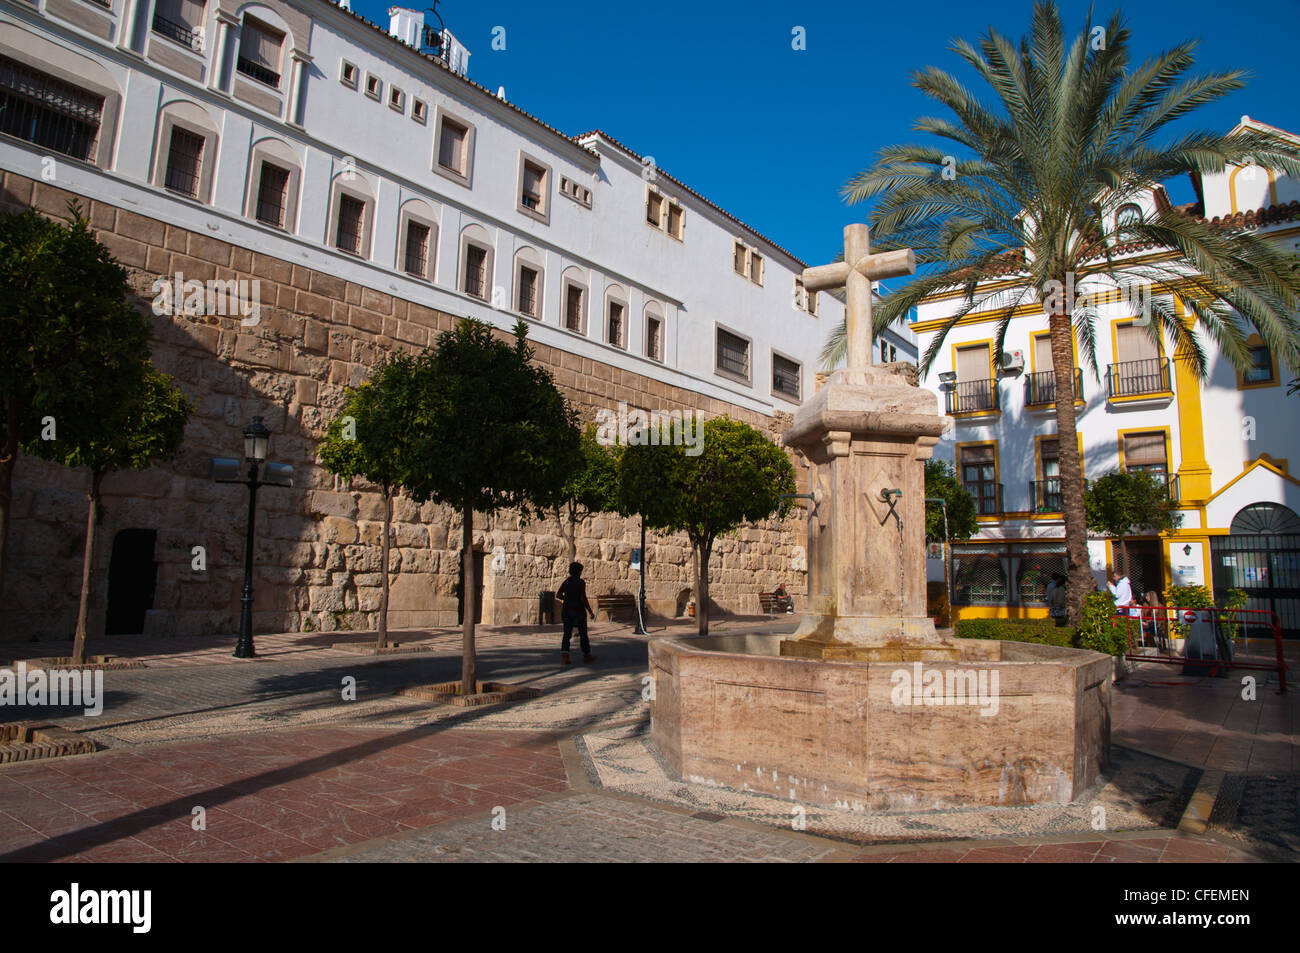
[{"x": 285, "y": 768}]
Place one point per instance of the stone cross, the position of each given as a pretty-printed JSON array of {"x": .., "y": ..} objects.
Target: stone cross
[{"x": 854, "y": 274}]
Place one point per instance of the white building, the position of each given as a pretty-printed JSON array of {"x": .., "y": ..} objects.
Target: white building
[
  {"x": 303, "y": 131},
  {"x": 1225, "y": 445}
]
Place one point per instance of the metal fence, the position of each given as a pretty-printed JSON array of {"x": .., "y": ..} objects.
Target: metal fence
[
  {"x": 1203, "y": 641},
  {"x": 1040, "y": 387},
  {"x": 966, "y": 397},
  {"x": 1135, "y": 378},
  {"x": 1264, "y": 566}
]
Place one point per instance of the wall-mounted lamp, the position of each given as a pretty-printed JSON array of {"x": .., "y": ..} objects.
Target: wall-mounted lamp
[{"x": 1187, "y": 550}]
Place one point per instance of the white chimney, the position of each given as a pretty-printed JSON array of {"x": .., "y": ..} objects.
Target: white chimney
[
  {"x": 345, "y": 5},
  {"x": 454, "y": 54},
  {"x": 406, "y": 25}
]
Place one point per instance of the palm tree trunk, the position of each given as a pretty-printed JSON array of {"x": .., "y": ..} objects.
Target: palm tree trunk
[
  {"x": 1079, "y": 580},
  {"x": 383, "y": 592},
  {"x": 8, "y": 460},
  {"x": 468, "y": 672},
  {"x": 703, "y": 551},
  {"x": 87, "y": 563}
]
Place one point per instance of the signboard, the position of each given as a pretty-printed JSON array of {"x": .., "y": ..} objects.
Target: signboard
[{"x": 636, "y": 558}]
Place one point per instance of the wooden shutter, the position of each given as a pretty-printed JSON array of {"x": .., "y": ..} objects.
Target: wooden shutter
[
  {"x": 1133, "y": 344},
  {"x": 1043, "y": 353},
  {"x": 973, "y": 363},
  {"x": 1144, "y": 450}
]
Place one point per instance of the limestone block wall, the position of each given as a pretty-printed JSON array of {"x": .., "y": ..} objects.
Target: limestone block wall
[{"x": 318, "y": 544}]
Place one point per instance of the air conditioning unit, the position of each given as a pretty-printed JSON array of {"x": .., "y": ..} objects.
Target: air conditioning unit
[{"x": 1013, "y": 362}]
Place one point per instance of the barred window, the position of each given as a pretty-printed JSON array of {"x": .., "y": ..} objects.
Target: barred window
[
  {"x": 476, "y": 271},
  {"x": 184, "y": 162},
  {"x": 573, "y": 307},
  {"x": 417, "y": 249},
  {"x": 616, "y": 325},
  {"x": 654, "y": 343},
  {"x": 352, "y": 213},
  {"x": 528, "y": 291},
  {"x": 273, "y": 195},
  {"x": 785, "y": 376},
  {"x": 48, "y": 112},
  {"x": 733, "y": 354}
]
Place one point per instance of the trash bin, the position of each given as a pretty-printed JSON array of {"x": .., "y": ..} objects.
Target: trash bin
[{"x": 546, "y": 608}]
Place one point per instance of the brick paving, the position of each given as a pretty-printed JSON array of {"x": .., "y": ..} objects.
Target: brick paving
[{"x": 285, "y": 769}]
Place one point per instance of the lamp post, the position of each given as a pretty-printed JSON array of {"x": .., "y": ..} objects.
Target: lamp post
[
  {"x": 640, "y": 599},
  {"x": 257, "y": 443}
]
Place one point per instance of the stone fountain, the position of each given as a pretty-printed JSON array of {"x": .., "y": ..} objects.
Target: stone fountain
[{"x": 867, "y": 706}]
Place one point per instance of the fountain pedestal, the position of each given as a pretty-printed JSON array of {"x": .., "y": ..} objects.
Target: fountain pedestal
[{"x": 867, "y": 434}]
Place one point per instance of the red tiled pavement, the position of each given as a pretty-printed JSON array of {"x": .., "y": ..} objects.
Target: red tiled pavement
[{"x": 271, "y": 796}]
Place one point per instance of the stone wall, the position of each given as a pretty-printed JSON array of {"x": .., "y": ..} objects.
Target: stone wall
[{"x": 318, "y": 544}]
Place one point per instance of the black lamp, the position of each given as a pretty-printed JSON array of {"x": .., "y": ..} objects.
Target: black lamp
[{"x": 257, "y": 441}]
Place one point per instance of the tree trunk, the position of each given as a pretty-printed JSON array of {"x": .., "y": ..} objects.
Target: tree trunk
[
  {"x": 569, "y": 530},
  {"x": 8, "y": 460},
  {"x": 87, "y": 563},
  {"x": 1079, "y": 579},
  {"x": 468, "y": 672},
  {"x": 382, "y": 641},
  {"x": 703, "y": 551}
]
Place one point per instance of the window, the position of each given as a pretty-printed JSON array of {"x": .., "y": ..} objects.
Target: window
[
  {"x": 975, "y": 390},
  {"x": 419, "y": 111},
  {"x": 273, "y": 195},
  {"x": 747, "y": 262},
  {"x": 179, "y": 20},
  {"x": 893, "y": 354},
  {"x": 1260, "y": 369},
  {"x": 1047, "y": 491},
  {"x": 654, "y": 338},
  {"x": 397, "y": 100},
  {"x": 348, "y": 74},
  {"x": 534, "y": 188},
  {"x": 528, "y": 298},
  {"x": 417, "y": 249},
  {"x": 732, "y": 355},
  {"x": 1145, "y": 452},
  {"x": 884, "y": 352},
  {"x": 1138, "y": 367},
  {"x": 259, "y": 51},
  {"x": 351, "y": 222},
  {"x": 616, "y": 326},
  {"x": 184, "y": 162},
  {"x": 804, "y": 300},
  {"x": 476, "y": 272},
  {"x": 979, "y": 474},
  {"x": 455, "y": 145},
  {"x": 1126, "y": 216},
  {"x": 574, "y": 307},
  {"x": 785, "y": 376},
  {"x": 575, "y": 191},
  {"x": 48, "y": 112},
  {"x": 676, "y": 221},
  {"x": 654, "y": 209},
  {"x": 374, "y": 86}
]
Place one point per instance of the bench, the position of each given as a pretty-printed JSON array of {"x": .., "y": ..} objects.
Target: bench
[
  {"x": 767, "y": 602},
  {"x": 612, "y": 602}
]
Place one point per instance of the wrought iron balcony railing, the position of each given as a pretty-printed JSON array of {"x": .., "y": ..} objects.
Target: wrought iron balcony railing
[
  {"x": 180, "y": 32},
  {"x": 1040, "y": 387},
  {"x": 987, "y": 497},
  {"x": 967, "y": 397},
  {"x": 1137, "y": 378}
]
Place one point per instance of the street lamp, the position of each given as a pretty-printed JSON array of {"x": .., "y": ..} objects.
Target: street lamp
[
  {"x": 640, "y": 599},
  {"x": 257, "y": 444}
]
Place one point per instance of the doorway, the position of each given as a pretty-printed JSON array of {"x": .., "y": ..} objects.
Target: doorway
[
  {"x": 132, "y": 576},
  {"x": 1144, "y": 571},
  {"x": 479, "y": 561}
]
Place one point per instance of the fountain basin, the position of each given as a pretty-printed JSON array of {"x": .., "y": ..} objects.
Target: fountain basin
[{"x": 1008, "y": 723}]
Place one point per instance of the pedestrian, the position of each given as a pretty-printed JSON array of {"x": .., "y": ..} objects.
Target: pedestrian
[
  {"x": 574, "y": 609},
  {"x": 784, "y": 601},
  {"x": 1120, "y": 589}
]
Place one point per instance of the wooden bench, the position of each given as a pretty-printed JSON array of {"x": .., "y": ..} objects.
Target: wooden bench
[
  {"x": 616, "y": 602},
  {"x": 767, "y": 602}
]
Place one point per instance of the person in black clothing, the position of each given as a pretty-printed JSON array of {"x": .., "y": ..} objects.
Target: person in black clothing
[{"x": 574, "y": 610}]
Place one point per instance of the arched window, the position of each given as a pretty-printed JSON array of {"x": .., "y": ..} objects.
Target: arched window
[
  {"x": 1127, "y": 216},
  {"x": 616, "y": 317},
  {"x": 1267, "y": 519},
  {"x": 352, "y": 212},
  {"x": 186, "y": 151},
  {"x": 574, "y": 285},
  {"x": 477, "y": 260},
  {"x": 417, "y": 239},
  {"x": 530, "y": 283},
  {"x": 654, "y": 331},
  {"x": 274, "y": 172}
]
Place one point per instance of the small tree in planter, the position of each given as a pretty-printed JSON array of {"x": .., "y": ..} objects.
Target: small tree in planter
[
  {"x": 370, "y": 438},
  {"x": 739, "y": 476},
  {"x": 490, "y": 431}
]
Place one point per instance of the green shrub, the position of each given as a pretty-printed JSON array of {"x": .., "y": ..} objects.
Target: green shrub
[
  {"x": 1236, "y": 600},
  {"x": 1040, "y": 631},
  {"x": 1101, "y": 631},
  {"x": 1187, "y": 597}
]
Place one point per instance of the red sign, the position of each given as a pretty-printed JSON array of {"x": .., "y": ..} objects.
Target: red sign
[{"x": 1189, "y": 615}]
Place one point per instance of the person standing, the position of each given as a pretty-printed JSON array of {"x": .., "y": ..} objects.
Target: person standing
[
  {"x": 1120, "y": 589},
  {"x": 574, "y": 609},
  {"x": 1056, "y": 599}
]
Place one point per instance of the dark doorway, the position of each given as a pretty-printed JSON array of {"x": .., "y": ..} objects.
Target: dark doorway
[
  {"x": 1261, "y": 556},
  {"x": 132, "y": 574},
  {"x": 1144, "y": 572},
  {"x": 479, "y": 557}
]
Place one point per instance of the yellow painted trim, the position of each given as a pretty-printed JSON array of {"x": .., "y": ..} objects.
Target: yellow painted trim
[
  {"x": 1001, "y": 612},
  {"x": 1232, "y": 185},
  {"x": 1121, "y": 434},
  {"x": 1135, "y": 398},
  {"x": 1195, "y": 476},
  {"x": 1261, "y": 462},
  {"x": 1253, "y": 341},
  {"x": 997, "y": 473},
  {"x": 1114, "y": 339},
  {"x": 1280, "y": 463}
]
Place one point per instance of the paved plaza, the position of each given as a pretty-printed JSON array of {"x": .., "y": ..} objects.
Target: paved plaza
[{"x": 309, "y": 754}]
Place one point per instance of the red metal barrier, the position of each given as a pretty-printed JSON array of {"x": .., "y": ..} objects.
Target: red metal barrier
[{"x": 1159, "y": 622}]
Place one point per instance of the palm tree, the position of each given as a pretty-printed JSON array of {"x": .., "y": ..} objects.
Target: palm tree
[{"x": 1072, "y": 137}]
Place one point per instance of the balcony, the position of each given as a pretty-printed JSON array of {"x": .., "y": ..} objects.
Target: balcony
[
  {"x": 180, "y": 32},
  {"x": 1146, "y": 378},
  {"x": 1040, "y": 388},
  {"x": 258, "y": 72},
  {"x": 987, "y": 498},
  {"x": 1046, "y": 495},
  {"x": 973, "y": 397}
]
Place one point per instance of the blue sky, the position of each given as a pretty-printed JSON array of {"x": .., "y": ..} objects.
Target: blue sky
[{"x": 715, "y": 93}]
